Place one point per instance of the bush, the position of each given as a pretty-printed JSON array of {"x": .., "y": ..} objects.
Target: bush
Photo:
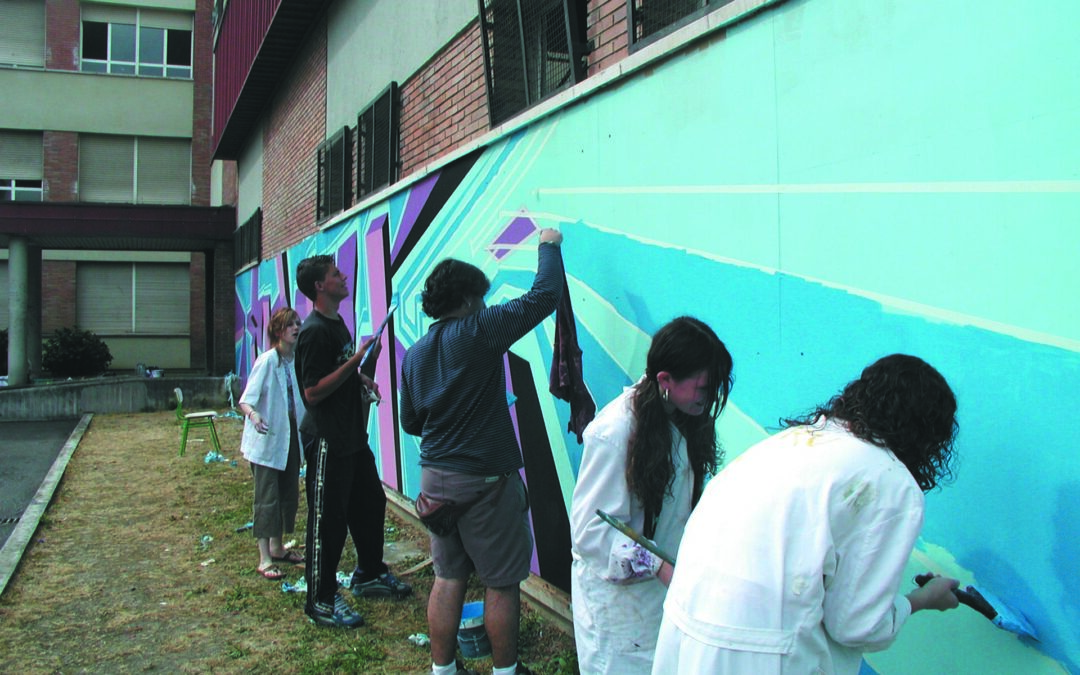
[
  {"x": 71, "y": 352},
  {"x": 3, "y": 348}
]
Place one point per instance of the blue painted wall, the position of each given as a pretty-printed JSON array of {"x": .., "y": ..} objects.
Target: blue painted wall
[{"x": 825, "y": 183}]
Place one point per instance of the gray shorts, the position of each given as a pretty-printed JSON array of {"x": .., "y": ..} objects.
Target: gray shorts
[{"x": 492, "y": 538}]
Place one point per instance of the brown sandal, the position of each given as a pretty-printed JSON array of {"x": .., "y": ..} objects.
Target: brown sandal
[
  {"x": 271, "y": 572},
  {"x": 291, "y": 557}
]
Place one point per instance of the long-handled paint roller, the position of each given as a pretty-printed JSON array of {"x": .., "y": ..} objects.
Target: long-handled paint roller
[
  {"x": 989, "y": 606},
  {"x": 636, "y": 536}
]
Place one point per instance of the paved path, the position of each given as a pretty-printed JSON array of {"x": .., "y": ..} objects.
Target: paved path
[{"x": 33, "y": 456}]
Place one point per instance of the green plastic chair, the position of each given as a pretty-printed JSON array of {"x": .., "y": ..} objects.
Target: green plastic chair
[{"x": 194, "y": 419}]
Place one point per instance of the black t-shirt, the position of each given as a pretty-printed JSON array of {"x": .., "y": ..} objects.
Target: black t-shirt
[{"x": 322, "y": 346}]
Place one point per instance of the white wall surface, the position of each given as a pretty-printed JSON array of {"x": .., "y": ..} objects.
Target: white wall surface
[{"x": 372, "y": 42}]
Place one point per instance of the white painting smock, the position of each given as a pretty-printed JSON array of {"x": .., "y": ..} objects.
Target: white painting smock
[
  {"x": 617, "y": 599},
  {"x": 792, "y": 559}
]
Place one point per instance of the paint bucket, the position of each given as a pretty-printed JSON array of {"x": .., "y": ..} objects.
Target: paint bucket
[{"x": 471, "y": 637}]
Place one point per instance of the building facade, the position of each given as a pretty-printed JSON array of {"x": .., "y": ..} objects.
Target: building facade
[
  {"x": 106, "y": 212},
  {"x": 824, "y": 182}
]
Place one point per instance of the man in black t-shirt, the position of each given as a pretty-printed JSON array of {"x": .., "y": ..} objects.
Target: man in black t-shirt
[{"x": 344, "y": 491}]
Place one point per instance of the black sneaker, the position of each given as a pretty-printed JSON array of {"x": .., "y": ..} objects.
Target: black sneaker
[
  {"x": 522, "y": 670},
  {"x": 385, "y": 586},
  {"x": 338, "y": 616}
]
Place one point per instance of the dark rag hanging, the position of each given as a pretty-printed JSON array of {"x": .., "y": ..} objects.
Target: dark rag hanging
[{"x": 567, "y": 376}]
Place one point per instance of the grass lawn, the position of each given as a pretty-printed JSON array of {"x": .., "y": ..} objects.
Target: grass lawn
[{"x": 137, "y": 566}]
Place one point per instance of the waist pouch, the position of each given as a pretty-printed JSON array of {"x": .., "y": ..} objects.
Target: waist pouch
[{"x": 440, "y": 516}]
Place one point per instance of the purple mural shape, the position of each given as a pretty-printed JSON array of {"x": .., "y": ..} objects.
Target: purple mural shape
[
  {"x": 345, "y": 259},
  {"x": 519, "y": 229},
  {"x": 418, "y": 197}
]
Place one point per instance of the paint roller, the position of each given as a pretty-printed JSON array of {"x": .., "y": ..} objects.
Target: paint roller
[{"x": 991, "y": 607}]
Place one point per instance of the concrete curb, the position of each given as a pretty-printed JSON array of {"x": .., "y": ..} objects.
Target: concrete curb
[{"x": 16, "y": 544}]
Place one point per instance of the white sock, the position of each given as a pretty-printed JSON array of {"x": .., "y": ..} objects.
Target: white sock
[
  {"x": 509, "y": 670},
  {"x": 448, "y": 669}
]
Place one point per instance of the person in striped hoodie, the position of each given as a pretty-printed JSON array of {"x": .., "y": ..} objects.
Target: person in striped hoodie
[{"x": 454, "y": 396}]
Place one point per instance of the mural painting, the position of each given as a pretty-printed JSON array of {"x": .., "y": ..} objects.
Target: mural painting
[{"x": 809, "y": 259}]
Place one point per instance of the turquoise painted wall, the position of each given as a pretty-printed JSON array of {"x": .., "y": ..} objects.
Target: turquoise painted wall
[{"x": 826, "y": 183}]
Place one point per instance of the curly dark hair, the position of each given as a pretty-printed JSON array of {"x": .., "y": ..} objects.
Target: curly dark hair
[
  {"x": 311, "y": 271},
  {"x": 450, "y": 284},
  {"x": 683, "y": 347},
  {"x": 903, "y": 404}
]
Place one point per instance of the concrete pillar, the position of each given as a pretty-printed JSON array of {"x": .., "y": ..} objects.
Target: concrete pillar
[
  {"x": 33, "y": 311},
  {"x": 18, "y": 274}
]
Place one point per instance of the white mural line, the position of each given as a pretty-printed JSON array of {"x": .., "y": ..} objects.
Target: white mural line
[
  {"x": 619, "y": 338},
  {"x": 511, "y": 175},
  {"x": 1004, "y": 186},
  {"x": 889, "y": 302},
  {"x": 627, "y": 345}
]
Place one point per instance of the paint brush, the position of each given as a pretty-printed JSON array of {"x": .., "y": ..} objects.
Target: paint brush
[
  {"x": 633, "y": 534},
  {"x": 991, "y": 607},
  {"x": 379, "y": 331}
]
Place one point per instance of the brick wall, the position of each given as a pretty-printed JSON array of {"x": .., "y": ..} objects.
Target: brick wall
[
  {"x": 444, "y": 104},
  {"x": 62, "y": 34},
  {"x": 202, "y": 70},
  {"x": 606, "y": 30},
  {"x": 295, "y": 126},
  {"x": 61, "y": 169}
]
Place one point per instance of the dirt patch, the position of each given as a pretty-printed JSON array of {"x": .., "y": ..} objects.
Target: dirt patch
[{"x": 137, "y": 566}]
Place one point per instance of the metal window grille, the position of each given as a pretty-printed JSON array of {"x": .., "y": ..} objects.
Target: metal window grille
[
  {"x": 652, "y": 19},
  {"x": 532, "y": 49},
  {"x": 247, "y": 241},
  {"x": 377, "y": 146},
  {"x": 335, "y": 174}
]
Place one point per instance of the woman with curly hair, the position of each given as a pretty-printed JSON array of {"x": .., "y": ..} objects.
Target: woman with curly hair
[
  {"x": 793, "y": 560},
  {"x": 645, "y": 461}
]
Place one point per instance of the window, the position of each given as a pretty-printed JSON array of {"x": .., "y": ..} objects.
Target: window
[
  {"x": 377, "y": 144},
  {"x": 115, "y": 298},
  {"x": 21, "y": 166},
  {"x": 12, "y": 190},
  {"x": 531, "y": 51},
  {"x": 22, "y": 33},
  {"x": 335, "y": 175},
  {"x": 130, "y": 170},
  {"x": 247, "y": 242},
  {"x": 136, "y": 42},
  {"x": 652, "y": 19}
]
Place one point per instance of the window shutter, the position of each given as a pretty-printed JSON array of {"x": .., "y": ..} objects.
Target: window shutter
[
  {"x": 21, "y": 155},
  {"x": 162, "y": 299},
  {"x": 334, "y": 165},
  {"x": 164, "y": 171},
  {"x": 531, "y": 50},
  {"x": 106, "y": 169},
  {"x": 163, "y": 19},
  {"x": 378, "y": 131},
  {"x": 108, "y": 13},
  {"x": 103, "y": 297},
  {"x": 22, "y": 41}
]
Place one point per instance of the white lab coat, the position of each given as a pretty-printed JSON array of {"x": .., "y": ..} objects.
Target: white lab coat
[
  {"x": 267, "y": 392},
  {"x": 792, "y": 559},
  {"x": 616, "y": 597}
]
